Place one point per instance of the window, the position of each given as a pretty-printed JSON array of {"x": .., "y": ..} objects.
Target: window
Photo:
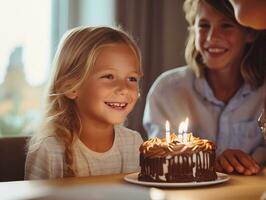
[
  {"x": 24, "y": 65},
  {"x": 30, "y": 32}
]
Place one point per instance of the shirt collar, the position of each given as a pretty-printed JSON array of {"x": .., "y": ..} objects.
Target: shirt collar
[{"x": 204, "y": 90}]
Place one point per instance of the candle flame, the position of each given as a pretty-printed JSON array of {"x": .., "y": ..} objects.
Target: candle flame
[
  {"x": 186, "y": 125},
  {"x": 182, "y": 130},
  {"x": 167, "y": 126},
  {"x": 183, "y": 126}
]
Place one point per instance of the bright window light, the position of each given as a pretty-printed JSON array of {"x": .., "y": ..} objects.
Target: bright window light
[
  {"x": 25, "y": 51},
  {"x": 26, "y": 24}
]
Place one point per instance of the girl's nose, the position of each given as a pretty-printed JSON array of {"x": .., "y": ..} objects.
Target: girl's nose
[
  {"x": 122, "y": 88},
  {"x": 213, "y": 34}
]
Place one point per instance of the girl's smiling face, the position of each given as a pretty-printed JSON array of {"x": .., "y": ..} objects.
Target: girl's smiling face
[
  {"x": 110, "y": 91},
  {"x": 220, "y": 41}
]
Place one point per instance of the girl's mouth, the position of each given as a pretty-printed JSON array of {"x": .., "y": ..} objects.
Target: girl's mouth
[
  {"x": 116, "y": 105},
  {"x": 216, "y": 50}
]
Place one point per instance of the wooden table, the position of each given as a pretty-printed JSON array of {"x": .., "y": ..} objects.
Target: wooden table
[{"x": 238, "y": 187}]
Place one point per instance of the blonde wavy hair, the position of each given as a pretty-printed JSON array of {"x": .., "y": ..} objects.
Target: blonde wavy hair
[
  {"x": 254, "y": 59},
  {"x": 76, "y": 54}
]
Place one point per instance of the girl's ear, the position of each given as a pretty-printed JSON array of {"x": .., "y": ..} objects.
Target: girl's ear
[
  {"x": 251, "y": 36},
  {"x": 72, "y": 94}
]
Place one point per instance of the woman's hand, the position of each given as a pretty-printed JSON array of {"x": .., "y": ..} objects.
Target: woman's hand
[{"x": 235, "y": 160}]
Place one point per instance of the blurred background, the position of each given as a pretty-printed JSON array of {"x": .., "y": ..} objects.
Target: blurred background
[{"x": 31, "y": 29}]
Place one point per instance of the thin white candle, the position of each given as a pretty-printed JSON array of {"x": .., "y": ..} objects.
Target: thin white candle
[
  {"x": 167, "y": 131},
  {"x": 180, "y": 132},
  {"x": 185, "y": 136},
  {"x": 180, "y": 128},
  {"x": 186, "y": 125}
]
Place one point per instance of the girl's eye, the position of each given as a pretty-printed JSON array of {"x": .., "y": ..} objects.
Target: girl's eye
[
  {"x": 133, "y": 79},
  {"x": 108, "y": 76},
  {"x": 204, "y": 25}
]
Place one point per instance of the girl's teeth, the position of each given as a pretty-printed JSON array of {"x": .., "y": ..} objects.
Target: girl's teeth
[
  {"x": 216, "y": 50},
  {"x": 115, "y": 105}
]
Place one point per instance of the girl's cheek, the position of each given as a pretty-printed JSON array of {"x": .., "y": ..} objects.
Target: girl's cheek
[{"x": 135, "y": 88}]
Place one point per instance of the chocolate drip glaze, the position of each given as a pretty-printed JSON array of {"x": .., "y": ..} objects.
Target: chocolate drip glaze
[{"x": 187, "y": 166}]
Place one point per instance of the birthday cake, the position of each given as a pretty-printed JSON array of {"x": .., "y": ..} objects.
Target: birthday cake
[{"x": 176, "y": 160}]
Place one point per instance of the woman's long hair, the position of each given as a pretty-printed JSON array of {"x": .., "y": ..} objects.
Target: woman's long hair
[
  {"x": 76, "y": 54},
  {"x": 254, "y": 59}
]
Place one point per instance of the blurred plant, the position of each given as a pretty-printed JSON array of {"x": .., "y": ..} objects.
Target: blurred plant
[
  {"x": 18, "y": 115},
  {"x": 15, "y": 125}
]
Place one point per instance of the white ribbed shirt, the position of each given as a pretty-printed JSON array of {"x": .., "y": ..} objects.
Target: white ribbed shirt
[{"x": 48, "y": 160}]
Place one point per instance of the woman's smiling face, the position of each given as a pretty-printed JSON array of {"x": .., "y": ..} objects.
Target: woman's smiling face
[{"x": 220, "y": 41}]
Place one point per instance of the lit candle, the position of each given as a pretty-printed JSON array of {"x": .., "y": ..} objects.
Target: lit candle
[
  {"x": 180, "y": 132},
  {"x": 167, "y": 131},
  {"x": 185, "y": 136}
]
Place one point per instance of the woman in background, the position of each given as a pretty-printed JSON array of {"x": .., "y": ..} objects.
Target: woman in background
[{"x": 221, "y": 89}]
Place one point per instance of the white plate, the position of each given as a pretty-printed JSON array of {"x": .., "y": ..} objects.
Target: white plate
[{"x": 133, "y": 178}]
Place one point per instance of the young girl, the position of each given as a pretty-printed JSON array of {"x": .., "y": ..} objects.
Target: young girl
[
  {"x": 93, "y": 89},
  {"x": 221, "y": 89}
]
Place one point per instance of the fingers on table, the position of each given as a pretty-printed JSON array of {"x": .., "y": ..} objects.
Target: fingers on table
[{"x": 237, "y": 160}]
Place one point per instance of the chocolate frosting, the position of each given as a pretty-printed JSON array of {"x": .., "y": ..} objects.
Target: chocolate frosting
[{"x": 156, "y": 147}]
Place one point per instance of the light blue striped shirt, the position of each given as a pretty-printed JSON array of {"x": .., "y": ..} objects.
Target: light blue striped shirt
[{"x": 177, "y": 94}]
